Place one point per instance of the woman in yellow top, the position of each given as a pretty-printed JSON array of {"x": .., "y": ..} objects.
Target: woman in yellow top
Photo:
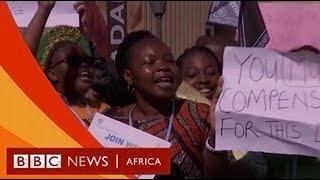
[{"x": 63, "y": 55}]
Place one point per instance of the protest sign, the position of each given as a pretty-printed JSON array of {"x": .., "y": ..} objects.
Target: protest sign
[
  {"x": 280, "y": 17},
  {"x": 114, "y": 134},
  {"x": 63, "y": 13},
  {"x": 270, "y": 102}
]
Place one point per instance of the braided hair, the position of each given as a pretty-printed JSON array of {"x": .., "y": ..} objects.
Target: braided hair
[{"x": 122, "y": 59}]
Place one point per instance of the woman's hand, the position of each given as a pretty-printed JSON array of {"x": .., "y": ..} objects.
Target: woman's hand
[
  {"x": 81, "y": 9},
  {"x": 93, "y": 25},
  {"x": 215, "y": 164},
  {"x": 80, "y": 6},
  {"x": 214, "y": 101},
  {"x": 218, "y": 92}
]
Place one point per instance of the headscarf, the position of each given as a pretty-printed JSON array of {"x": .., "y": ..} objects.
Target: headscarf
[{"x": 61, "y": 33}]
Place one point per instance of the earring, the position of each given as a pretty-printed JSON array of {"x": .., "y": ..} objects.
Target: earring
[{"x": 130, "y": 89}]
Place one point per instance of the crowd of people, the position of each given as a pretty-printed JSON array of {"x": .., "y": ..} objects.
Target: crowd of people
[{"x": 143, "y": 93}]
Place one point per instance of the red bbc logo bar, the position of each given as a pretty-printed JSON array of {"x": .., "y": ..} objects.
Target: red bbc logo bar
[{"x": 88, "y": 161}]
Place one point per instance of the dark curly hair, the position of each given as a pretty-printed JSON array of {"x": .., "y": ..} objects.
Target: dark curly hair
[
  {"x": 123, "y": 96},
  {"x": 199, "y": 49},
  {"x": 124, "y": 49}
]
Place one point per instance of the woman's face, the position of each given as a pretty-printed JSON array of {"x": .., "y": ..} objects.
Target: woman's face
[
  {"x": 82, "y": 78},
  {"x": 71, "y": 70},
  {"x": 201, "y": 72},
  {"x": 153, "y": 71}
]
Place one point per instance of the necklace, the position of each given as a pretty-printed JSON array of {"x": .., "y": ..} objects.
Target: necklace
[{"x": 170, "y": 120}]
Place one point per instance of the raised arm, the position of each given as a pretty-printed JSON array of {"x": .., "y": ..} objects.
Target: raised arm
[
  {"x": 35, "y": 28},
  {"x": 216, "y": 163},
  {"x": 93, "y": 25}
]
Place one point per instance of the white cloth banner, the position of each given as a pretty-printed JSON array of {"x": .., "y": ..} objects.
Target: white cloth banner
[
  {"x": 270, "y": 102},
  {"x": 63, "y": 13}
]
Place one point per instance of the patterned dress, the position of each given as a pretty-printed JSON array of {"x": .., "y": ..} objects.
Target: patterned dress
[{"x": 190, "y": 130}]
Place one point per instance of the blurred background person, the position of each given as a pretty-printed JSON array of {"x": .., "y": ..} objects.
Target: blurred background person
[{"x": 63, "y": 54}]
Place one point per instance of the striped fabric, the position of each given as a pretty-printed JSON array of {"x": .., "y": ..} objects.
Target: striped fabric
[
  {"x": 188, "y": 135},
  {"x": 243, "y": 15}
]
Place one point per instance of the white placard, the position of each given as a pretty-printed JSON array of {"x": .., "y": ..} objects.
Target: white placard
[
  {"x": 63, "y": 13},
  {"x": 114, "y": 134},
  {"x": 270, "y": 102}
]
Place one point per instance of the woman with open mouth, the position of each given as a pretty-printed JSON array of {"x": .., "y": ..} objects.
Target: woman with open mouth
[
  {"x": 147, "y": 67},
  {"x": 201, "y": 69},
  {"x": 62, "y": 53}
]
